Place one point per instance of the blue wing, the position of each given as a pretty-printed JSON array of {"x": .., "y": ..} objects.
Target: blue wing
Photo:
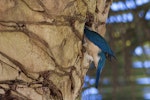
[
  {"x": 100, "y": 67},
  {"x": 99, "y": 41}
]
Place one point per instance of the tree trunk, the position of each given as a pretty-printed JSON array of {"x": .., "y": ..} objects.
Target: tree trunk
[{"x": 41, "y": 53}]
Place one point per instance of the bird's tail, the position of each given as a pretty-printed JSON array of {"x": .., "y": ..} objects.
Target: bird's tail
[{"x": 99, "y": 69}]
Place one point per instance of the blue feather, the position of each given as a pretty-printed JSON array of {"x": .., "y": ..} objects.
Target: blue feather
[
  {"x": 100, "y": 67},
  {"x": 99, "y": 41},
  {"x": 106, "y": 51}
]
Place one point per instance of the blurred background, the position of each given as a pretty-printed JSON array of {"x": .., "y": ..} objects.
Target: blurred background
[{"x": 128, "y": 33}]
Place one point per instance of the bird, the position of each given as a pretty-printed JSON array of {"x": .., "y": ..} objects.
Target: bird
[{"x": 99, "y": 49}]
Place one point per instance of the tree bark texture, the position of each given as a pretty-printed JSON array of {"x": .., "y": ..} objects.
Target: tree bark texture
[{"x": 41, "y": 52}]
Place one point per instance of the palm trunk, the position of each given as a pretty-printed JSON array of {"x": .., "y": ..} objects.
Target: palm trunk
[{"x": 41, "y": 56}]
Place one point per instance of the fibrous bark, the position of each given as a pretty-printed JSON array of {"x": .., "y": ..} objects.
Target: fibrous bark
[{"x": 41, "y": 53}]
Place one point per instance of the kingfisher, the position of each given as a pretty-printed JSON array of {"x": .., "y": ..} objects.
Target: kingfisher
[{"x": 99, "y": 49}]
